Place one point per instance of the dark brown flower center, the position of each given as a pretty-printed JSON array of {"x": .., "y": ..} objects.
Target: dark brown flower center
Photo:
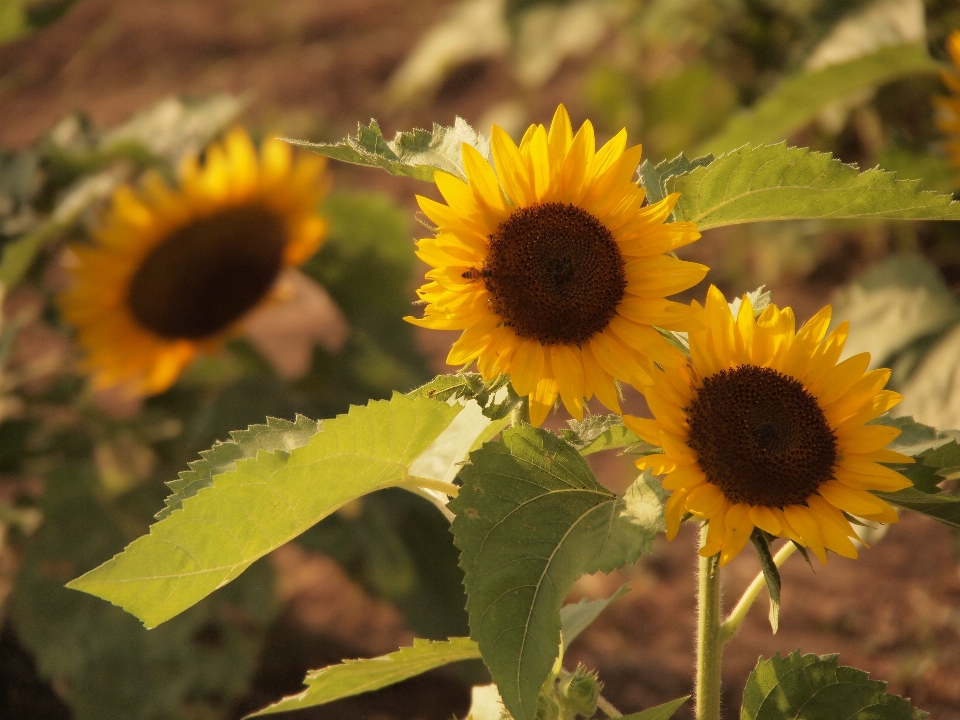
[
  {"x": 209, "y": 273},
  {"x": 555, "y": 273},
  {"x": 761, "y": 437}
]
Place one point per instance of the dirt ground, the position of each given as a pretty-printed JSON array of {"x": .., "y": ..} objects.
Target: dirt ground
[{"x": 314, "y": 69}]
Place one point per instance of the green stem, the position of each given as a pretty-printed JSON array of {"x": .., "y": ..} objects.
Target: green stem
[
  {"x": 709, "y": 647},
  {"x": 733, "y": 622},
  {"x": 608, "y": 709}
]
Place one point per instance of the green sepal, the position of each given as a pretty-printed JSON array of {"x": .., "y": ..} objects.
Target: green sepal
[{"x": 771, "y": 574}]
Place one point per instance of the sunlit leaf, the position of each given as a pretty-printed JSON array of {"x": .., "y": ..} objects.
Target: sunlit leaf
[
  {"x": 654, "y": 177},
  {"x": 265, "y": 502},
  {"x": 417, "y": 153},
  {"x": 660, "y": 712},
  {"x": 796, "y": 101},
  {"x": 353, "y": 677},
  {"x": 530, "y": 519},
  {"x": 276, "y": 435},
  {"x": 808, "y": 687},
  {"x": 776, "y": 182},
  {"x": 604, "y": 432}
]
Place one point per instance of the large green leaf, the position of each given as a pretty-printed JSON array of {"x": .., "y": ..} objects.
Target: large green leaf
[
  {"x": 530, "y": 519},
  {"x": 263, "y": 503},
  {"x": 417, "y": 153},
  {"x": 776, "y": 182},
  {"x": 359, "y": 676},
  {"x": 798, "y": 99},
  {"x": 276, "y": 436},
  {"x": 808, "y": 687},
  {"x": 654, "y": 177}
]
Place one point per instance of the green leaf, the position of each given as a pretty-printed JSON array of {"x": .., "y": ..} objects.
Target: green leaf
[
  {"x": 771, "y": 574},
  {"x": 894, "y": 304},
  {"x": 359, "y": 676},
  {"x": 654, "y": 177},
  {"x": 776, "y": 182},
  {"x": 807, "y": 687},
  {"x": 796, "y": 101},
  {"x": 530, "y": 519},
  {"x": 916, "y": 438},
  {"x": 263, "y": 503},
  {"x": 577, "y": 617},
  {"x": 942, "y": 507},
  {"x": 497, "y": 397},
  {"x": 604, "y": 432},
  {"x": 276, "y": 436},
  {"x": 417, "y": 153},
  {"x": 660, "y": 712}
]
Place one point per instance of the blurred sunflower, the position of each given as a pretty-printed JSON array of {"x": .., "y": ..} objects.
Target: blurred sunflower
[
  {"x": 552, "y": 269},
  {"x": 172, "y": 272},
  {"x": 949, "y": 122},
  {"x": 762, "y": 428}
]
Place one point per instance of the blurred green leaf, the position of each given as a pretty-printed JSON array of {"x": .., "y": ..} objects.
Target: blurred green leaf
[
  {"x": 660, "y": 712},
  {"x": 932, "y": 392},
  {"x": 13, "y": 20},
  {"x": 776, "y": 182},
  {"x": 893, "y": 304},
  {"x": 943, "y": 507},
  {"x": 265, "y": 502},
  {"x": 808, "y": 687},
  {"x": 197, "y": 667},
  {"x": 796, "y": 100},
  {"x": 417, "y": 153},
  {"x": 353, "y": 677},
  {"x": 276, "y": 436},
  {"x": 577, "y": 617},
  {"x": 530, "y": 519}
]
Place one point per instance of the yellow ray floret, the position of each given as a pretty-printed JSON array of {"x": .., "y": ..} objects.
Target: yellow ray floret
[
  {"x": 949, "y": 106},
  {"x": 553, "y": 270},
  {"x": 765, "y": 428},
  {"x": 172, "y": 272}
]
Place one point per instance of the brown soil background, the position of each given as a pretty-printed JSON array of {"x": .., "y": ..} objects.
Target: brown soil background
[{"x": 314, "y": 69}]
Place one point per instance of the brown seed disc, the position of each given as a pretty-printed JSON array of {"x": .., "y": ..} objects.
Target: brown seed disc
[
  {"x": 761, "y": 437},
  {"x": 208, "y": 274},
  {"x": 554, "y": 273}
]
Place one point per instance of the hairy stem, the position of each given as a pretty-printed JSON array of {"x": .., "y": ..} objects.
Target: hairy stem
[
  {"x": 608, "y": 709},
  {"x": 709, "y": 646},
  {"x": 733, "y": 622}
]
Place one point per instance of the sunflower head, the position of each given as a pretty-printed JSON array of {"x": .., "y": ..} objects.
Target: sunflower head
[
  {"x": 172, "y": 272},
  {"x": 949, "y": 120},
  {"x": 764, "y": 428},
  {"x": 553, "y": 269}
]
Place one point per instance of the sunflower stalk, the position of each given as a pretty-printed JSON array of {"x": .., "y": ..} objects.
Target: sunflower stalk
[
  {"x": 709, "y": 644},
  {"x": 733, "y": 622}
]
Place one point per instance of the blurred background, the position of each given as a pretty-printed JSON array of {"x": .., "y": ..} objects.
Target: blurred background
[{"x": 93, "y": 93}]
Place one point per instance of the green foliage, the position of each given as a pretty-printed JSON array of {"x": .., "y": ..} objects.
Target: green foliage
[
  {"x": 196, "y": 667},
  {"x": 530, "y": 519},
  {"x": 771, "y": 574},
  {"x": 497, "y": 397},
  {"x": 359, "y": 676},
  {"x": 277, "y": 436},
  {"x": 807, "y": 687},
  {"x": 797, "y": 99},
  {"x": 604, "y": 432},
  {"x": 577, "y": 617},
  {"x": 654, "y": 177},
  {"x": 660, "y": 712},
  {"x": 417, "y": 153},
  {"x": 263, "y": 503},
  {"x": 776, "y": 182}
]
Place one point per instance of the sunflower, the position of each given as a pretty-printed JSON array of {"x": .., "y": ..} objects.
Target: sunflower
[
  {"x": 552, "y": 268},
  {"x": 172, "y": 272},
  {"x": 763, "y": 428},
  {"x": 949, "y": 122}
]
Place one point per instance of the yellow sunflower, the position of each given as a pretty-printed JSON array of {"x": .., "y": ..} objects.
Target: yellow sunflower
[
  {"x": 552, "y": 268},
  {"x": 949, "y": 122},
  {"x": 763, "y": 428},
  {"x": 172, "y": 272}
]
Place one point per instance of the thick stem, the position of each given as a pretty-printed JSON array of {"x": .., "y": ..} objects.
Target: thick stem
[
  {"x": 709, "y": 647},
  {"x": 730, "y": 626}
]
